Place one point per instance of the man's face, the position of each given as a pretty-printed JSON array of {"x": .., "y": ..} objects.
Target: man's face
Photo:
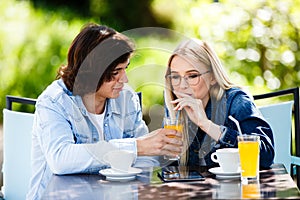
[{"x": 112, "y": 89}]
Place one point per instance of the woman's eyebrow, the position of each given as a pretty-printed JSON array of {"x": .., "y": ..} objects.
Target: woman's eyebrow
[{"x": 189, "y": 71}]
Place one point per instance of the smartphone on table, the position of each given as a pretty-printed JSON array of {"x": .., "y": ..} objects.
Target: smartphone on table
[{"x": 177, "y": 174}]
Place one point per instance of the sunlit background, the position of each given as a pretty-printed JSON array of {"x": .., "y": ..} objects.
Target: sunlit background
[{"x": 257, "y": 40}]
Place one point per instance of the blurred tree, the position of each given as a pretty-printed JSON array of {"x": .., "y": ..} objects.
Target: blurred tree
[
  {"x": 258, "y": 41},
  {"x": 32, "y": 47},
  {"x": 122, "y": 15},
  {"x": 78, "y": 7},
  {"x": 129, "y": 14}
]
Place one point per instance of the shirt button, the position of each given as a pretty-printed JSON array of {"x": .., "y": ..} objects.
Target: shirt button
[{"x": 105, "y": 124}]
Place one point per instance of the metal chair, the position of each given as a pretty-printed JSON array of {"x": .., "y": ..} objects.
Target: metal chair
[
  {"x": 279, "y": 116},
  {"x": 140, "y": 98},
  {"x": 16, "y": 149}
]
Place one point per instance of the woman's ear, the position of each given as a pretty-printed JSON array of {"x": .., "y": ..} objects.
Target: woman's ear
[{"x": 213, "y": 80}]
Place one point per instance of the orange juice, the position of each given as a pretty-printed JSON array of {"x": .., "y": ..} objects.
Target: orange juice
[
  {"x": 173, "y": 124},
  {"x": 249, "y": 157},
  {"x": 177, "y": 127},
  {"x": 250, "y": 191}
]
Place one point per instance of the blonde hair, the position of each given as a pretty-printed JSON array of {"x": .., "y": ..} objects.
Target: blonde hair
[{"x": 197, "y": 51}]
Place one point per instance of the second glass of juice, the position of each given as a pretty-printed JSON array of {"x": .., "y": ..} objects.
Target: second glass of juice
[{"x": 248, "y": 146}]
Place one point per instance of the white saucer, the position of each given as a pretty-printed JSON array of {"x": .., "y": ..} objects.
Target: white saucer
[
  {"x": 114, "y": 173},
  {"x": 221, "y": 174},
  {"x": 125, "y": 178}
]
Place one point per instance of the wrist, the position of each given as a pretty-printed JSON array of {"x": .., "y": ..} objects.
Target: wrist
[
  {"x": 139, "y": 147},
  {"x": 213, "y": 130},
  {"x": 206, "y": 126}
]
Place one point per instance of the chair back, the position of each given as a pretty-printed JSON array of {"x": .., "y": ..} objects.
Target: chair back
[
  {"x": 279, "y": 116},
  {"x": 16, "y": 168},
  {"x": 284, "y": 119}
]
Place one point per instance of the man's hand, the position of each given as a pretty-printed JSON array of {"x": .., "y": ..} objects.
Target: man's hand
[{"x": 160, "y": 142}]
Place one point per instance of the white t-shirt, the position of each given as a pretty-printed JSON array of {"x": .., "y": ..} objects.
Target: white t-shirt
[{"x": 97, "y": 120}]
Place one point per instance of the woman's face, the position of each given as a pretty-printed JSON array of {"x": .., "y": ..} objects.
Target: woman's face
[
  {"x": 112, "y": 89},
  {"x": 198, "y": 89}
]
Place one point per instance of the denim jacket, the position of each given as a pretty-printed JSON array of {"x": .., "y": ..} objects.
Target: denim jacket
[
  {"x": 65, "y": 141},
  {"x": 240, "y": 105}
]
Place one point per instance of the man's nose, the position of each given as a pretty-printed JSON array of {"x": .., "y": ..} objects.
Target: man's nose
[{"x": 124, "y": 78}]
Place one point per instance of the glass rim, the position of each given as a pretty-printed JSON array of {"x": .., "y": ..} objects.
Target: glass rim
[{"x": 247, "y": 137}]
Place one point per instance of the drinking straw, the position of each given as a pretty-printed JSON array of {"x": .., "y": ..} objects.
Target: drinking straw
[
  {"x": 236, "y": 123},
  {"x": 177, "y": 115}
]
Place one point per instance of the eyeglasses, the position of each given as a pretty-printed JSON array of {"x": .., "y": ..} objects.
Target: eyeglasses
[{"x": 191, "y": 79}]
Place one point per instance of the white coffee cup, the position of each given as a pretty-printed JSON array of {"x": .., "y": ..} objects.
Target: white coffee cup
[
  {"x": 119, "y": 160},
  {"x": 228, "y": 159}
]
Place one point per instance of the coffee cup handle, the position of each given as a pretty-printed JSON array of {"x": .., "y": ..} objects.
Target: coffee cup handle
[{"x": 214, "y": 157}]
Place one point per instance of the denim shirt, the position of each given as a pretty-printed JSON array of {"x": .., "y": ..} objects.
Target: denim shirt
[
  {"x": 241, "y": 106},
  {"x": 65, "y": 140}
]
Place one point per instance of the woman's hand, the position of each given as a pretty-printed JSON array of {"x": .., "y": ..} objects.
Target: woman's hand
[
  {"x": 196, "y": 112},
  {"x": 160, "y": 142},
  {"x": 193, "y": 107}
]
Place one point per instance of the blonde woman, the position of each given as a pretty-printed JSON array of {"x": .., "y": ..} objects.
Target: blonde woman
[{"x": 197, "y": 84}]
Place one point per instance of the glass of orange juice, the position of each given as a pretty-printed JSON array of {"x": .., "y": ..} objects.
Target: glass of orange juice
[
  {"x": 174, "y": 124},
  {"x": 251, "y": 191},
  {"x": 248, "y": 146}
]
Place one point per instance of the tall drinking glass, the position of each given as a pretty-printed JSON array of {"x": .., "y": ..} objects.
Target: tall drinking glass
[
  {"x": 248, "y": 146},
  {"x": 174, "y": 124},
  {"x": 251, "y": 190}
]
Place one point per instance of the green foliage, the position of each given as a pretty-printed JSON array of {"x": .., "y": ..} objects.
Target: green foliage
[
  {"x": 122, "y": 15},
  {"x": 258, "y": 41},
  {"x": 148, "y": 66},
  {"x": 67, "y": 8},
  {"x": 125, "y": 15},
  {"x": 33, "y": 46}
]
